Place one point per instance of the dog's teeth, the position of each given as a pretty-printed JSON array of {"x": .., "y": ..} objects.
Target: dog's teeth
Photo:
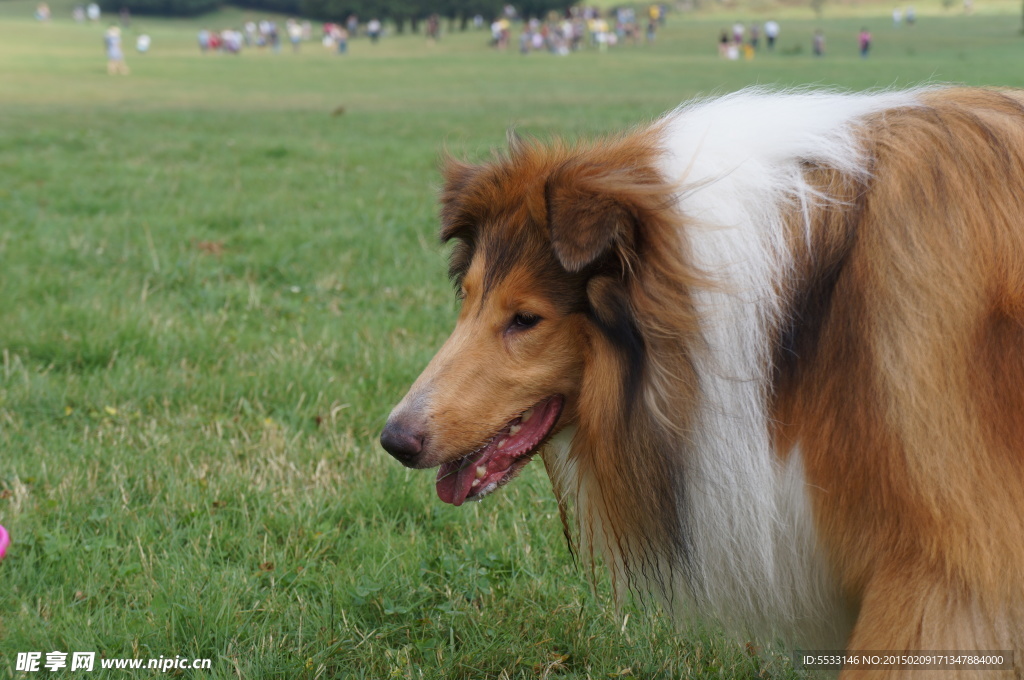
[
  {"x": 526, "y": 416},
  {"x": 514, "y": 430},
  {"x": 481, "y": 472},
  {"x": 476, "y": 483}
]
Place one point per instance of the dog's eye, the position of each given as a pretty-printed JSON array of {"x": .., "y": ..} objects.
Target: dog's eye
[{"x": 523, "y": 321}]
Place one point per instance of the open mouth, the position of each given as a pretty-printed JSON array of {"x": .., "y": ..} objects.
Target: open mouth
[{"x": 501, "y": 458}]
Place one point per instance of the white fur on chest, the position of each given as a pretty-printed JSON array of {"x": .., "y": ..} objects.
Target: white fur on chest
[
  {"x": 755, "y": 563},
  {"x": 740, "y": 161}
]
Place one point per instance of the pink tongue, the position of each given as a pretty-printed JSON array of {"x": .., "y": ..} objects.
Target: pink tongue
[
  {"x": 453, "y": 484},
  {"x": 455, "y": 479}
]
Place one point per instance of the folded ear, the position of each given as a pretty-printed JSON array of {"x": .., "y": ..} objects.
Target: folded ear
[
  {"x": 590, "y": 213},
  {"x": 457, "y": 177}
]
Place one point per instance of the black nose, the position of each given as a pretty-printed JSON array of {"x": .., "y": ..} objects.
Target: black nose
[{"x": 402, "y": 441}]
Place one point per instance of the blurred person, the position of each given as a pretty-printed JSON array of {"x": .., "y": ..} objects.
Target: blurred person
[
  {"x": 126, "y": 17},
  {"x": 433, "y": 28},
  {"x": 294, "y": 31},
  {"x": 911, "y": 16},
  {"x": 723, "y": 43},
  {"x": 92, "y": 10},
  {"x": 755, "y": 35},
  {"x": 505, "y": 30},
  {"x": 327, "y": 40},
  {"x": 142, "y": 43},
  {"x": 115, "y": 55},
  {"x": 864, "y": 39},
  {"x": 42, "y": 12},
  {"x": 579, "y": 30},
  {"x": 897, "y": 17},
  {"x": 771, "y": 32},
  {"x": 341, "y": 39},
  {"x": 564, "y": 36},
  {"x": 601, "y": 36},
  {"x": 737, "y": 33},
  {"x": 818, "y": 43},
  {"x": 273, "y": 36},
  {"x": 231, "y": 40},
  {"x": 78, "y": 14},
  {"x": 631, "y": 32},
  {"x": 373, "y": 29},
  {"x": 203, "y": 38},
  {"x": 525, "y": 40}
]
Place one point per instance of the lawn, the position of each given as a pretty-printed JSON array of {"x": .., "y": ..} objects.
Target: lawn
[{"x": 218, "y": 274}]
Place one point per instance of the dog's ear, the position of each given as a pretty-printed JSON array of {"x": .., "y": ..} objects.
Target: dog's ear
[
  {"x": 591, "y": 211},
  {"x": 457, "y": 177}
]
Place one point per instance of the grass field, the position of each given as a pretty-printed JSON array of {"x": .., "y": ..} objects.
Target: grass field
[{"x": 211, "y": 292}]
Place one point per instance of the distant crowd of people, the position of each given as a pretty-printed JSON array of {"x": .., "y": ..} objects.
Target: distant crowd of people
[
  {"x": 745, "y": 42},
  {"x": 899, "y": 15},
  {"x": 559, "y": 34},
  {"x": 266, "y": 34},
  {"x": 563, "y": 34},
  {"x": 336, "y": 36},
  {"x": 83, "y": 13}
]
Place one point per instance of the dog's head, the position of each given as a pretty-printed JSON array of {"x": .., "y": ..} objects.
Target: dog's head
[{"x": 547, "y": 243}]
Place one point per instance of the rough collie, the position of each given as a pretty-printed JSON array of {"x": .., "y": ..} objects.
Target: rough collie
[{"x": 771, "y": 351}]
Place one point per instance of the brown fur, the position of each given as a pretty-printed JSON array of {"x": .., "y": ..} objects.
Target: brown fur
[{"x": 910, "y": 406}]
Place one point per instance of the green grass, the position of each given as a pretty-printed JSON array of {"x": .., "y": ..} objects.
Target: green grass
[{"x": 213, "y": 291}]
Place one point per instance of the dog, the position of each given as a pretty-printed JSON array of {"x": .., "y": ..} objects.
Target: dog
[{"x": 770, "y": 348}]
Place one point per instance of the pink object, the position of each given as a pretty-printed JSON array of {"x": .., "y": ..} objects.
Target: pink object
[{"x": 5, "y": 540}]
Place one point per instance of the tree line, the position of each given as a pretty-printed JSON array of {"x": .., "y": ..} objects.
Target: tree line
[{"x": 403, "y": 13}]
